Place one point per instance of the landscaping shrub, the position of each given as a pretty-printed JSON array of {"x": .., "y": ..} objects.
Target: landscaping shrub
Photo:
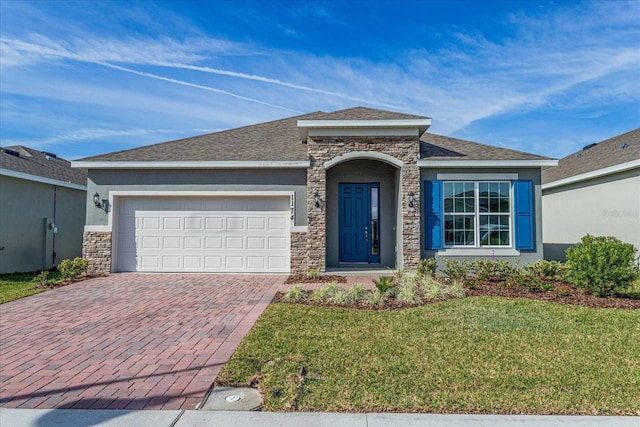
[
  {"x": 427, "y": 267},
  {"x": 432, "y": 288},
  {"x": 456, "y": 289},
  {"x": 407, "y": 289},
  {"x": 42, "y": 279},
  {"x": 603, "y": 265},
  {"x": 554, "y": 270},
  {"x": 457, "y": 270},
  {"x": 295, "y": 294},
  {"x": 383, "y": 284},
  {"x": 376, "y": 297},
  {"x": 325, "y": 293},
  {"x": 72, "y": 269},
  {"x": 312, "y": 273},
  {"x": 356, "y": 293}
]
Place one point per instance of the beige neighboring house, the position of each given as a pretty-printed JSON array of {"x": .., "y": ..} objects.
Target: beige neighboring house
[
  {"x": 42, "y": 206},
  {"x": 594, "y": 191}
]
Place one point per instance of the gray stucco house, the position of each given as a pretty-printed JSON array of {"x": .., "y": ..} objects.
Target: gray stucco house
[
  {"x": 601, "y": 182},
  {"x": 42, "y": 205},
  {"x": 352, "y": 189}
]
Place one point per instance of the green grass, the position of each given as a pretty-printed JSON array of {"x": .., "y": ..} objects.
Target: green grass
[
  {"x": 478, "y": 355},
  {"x": 20, "y": 285}
]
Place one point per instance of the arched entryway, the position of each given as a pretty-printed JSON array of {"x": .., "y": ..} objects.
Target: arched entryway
[{"x": 362, "y": 212}]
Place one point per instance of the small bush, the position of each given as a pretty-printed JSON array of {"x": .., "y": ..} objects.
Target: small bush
[
  {"x": 376, "y": 297},
  {"x": 356, "y": 293},
  {"x": 407, "y": 290},
  {"x": 545, "y": 269},
  {"x": 72, "y": 269},
  {"x": 42, "y": 279},
  {"x": 295, "y": 294},
  {"x": 457, "y": 270},
  {"x": 325, "y": 293},
  {"x": 383, "y": 284},
  {"x": 602, "y": 265},
  {"x": 456, "y": 289},
  {"x": 427, "y": 267},
  {"x": 341, "y": 297},
  {"x": 432, "y": 288},
  {"x": 312, "y": 273}
]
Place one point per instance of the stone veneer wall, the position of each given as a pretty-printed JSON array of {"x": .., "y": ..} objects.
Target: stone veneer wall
[
  {"x": 322, "y": 149},
  {"x": 96, "y": 247},
  {"x": 299, "y": 252}
]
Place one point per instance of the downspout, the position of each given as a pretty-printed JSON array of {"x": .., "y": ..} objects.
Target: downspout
[{"x": 53, "y": 249}]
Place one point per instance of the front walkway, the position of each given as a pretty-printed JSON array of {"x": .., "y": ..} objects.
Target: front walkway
[{"x": 127, "y": 341}]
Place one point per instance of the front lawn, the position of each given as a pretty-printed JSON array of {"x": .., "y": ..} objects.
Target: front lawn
[
  {"x": 478, "y": 355},
  {"x": 19, "y": 285}
]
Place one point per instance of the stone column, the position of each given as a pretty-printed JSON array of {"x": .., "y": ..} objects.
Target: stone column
[
  {"x": 96, "y": 247},
  {"x": 316, "y": 236}
]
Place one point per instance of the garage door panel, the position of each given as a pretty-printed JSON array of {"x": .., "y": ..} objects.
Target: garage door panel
[
  {"x": 256, "y": 242},
  {"x": 276, "y": 223},
  {"x": 193, "y": 223},
  {"x": 213, "y": 243},
  {"x": 234, "y": 242},
  {"x": 193, "y": 242},
  {"x": 172, "y": 242},
  {"x": 234, "y": 263},
  {"x": 151, "y": 223},
  {"x": 178, "y": 234},
  {"x": 235, "y": 223}
]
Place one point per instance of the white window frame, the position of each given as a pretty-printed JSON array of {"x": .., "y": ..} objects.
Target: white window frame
[{"x": 478, "y": 250}]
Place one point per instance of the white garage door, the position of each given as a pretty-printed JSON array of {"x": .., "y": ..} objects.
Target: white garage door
[{"x": 196, "y": 234}]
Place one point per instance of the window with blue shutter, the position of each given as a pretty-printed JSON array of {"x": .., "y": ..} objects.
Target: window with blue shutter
[
  {"x": 433, "y": 214},
  {"x": 523, "y": 215}
]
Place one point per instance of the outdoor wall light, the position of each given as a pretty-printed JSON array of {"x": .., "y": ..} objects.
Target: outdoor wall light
[
  {"x": 412, "y": 200},
  {"x": 96, "y": 200},
  {"x": 316, "y": 200}
]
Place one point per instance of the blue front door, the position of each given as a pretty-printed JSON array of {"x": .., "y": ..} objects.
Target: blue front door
[{"x": 359, "y": 223}]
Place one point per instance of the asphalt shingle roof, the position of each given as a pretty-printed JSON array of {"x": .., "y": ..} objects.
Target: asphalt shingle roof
[
  {"x": 280, "y": 140},
  {"x": 38, "y": 163},
  {"x": 609, "y": 152},
  {"x": 438, "y": 147},
  {"x": 270, "y": 141}
]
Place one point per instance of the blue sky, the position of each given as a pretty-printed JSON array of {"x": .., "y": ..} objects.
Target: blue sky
[{"x": 79, "y": 78}]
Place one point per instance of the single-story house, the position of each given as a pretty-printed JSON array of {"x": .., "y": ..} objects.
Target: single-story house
[
  {"x": 353, "y": 189},
  {"x": 42, "y": 206},
  {"x": 593, "y": 191}
]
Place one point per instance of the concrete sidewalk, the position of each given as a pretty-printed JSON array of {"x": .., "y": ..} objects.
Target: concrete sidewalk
[{"x": 176, "y": 418}]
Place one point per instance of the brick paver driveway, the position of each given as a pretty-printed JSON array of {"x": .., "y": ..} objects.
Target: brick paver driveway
[{"x": 153, "y": 341}]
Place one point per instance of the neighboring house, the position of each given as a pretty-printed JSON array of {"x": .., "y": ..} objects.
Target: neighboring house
[
  {"x": 594, "y": 191},
  {"x": 353, "y": 189},
  {"x": 42, "y": 205}
]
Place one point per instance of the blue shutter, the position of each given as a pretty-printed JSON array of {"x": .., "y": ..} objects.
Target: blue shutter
[
  {"x": 434, "y": 225},
  {"x": 524, "y": 215}
]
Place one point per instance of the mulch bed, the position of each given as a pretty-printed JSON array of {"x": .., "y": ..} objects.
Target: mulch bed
[
  {"x": 302, "y": 278},
  {"x": 563, "y": 293}
]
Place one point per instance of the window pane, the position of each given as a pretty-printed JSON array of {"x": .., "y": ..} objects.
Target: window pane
[
  {"x": 494, "y": 230},
  {"x": 459, "y": 197},
  {"x": 459, "y": 230}
]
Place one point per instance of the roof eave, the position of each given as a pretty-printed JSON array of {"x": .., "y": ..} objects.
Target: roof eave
[
  {"x": 42, "y": 179},
  {"x": 523, "y": 163},
  {"x": 220, "y": 164},
  {"x": 593, "y": 174}
]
